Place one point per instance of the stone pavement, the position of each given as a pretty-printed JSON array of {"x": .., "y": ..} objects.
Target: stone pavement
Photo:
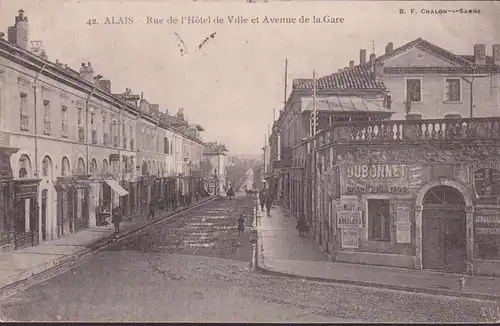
[
  {"x": 21, "y": 264},
  {"x": 283, "y": 252}
]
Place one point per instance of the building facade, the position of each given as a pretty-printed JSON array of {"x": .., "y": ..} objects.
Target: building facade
[
  {"x": 216, "y": 154},
  {"x": 414, "y": 188},
  {"x": 73, "y": 151}
]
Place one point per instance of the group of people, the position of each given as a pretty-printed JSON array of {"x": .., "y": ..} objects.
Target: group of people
[{"x": 266, "y": 200}]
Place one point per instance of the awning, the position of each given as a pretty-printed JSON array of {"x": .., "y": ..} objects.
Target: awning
[{"x": 116, "y": 187}]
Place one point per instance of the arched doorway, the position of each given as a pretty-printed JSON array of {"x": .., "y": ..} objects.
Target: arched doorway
[{"x": 444, "y": 230}]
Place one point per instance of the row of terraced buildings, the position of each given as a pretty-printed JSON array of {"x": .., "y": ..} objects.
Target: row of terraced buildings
[{"x": 72, "y": 151}]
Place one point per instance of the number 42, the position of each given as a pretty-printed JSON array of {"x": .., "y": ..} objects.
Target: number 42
[{"x": 92, "y": 21}]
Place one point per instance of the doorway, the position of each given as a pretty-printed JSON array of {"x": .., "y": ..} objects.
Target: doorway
[
  {"x": 444, "y": 230},
  {"x": 44, "y": 215}
]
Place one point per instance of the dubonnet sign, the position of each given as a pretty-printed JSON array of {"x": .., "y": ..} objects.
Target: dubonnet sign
[{"x": 377, "y": 178}]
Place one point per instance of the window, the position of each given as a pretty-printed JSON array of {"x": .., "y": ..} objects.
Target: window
[
  {"x": 124, "y": 135},
  {"x": 81, "y": 128},
  {"x": 64, "y": 121},
  {"x": 166, "y": 145},
  {"x": 105, "y": 134},
  {"x": 46, "y": 117},
  {"x": 379, "y": 219},
  {"x": 131, "y": 133},
  {"x": 114, "y": 130},
  {"x": 93, "y": 128},
  {"x": 45, "y": 166},
  {"x": 413, "y": 90},
  {"x": 24, "y": 111},
  {"x": 452, "y": 90}
]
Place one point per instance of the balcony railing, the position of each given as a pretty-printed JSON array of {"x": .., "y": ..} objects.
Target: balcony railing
[{"x": 412, "y": 130}]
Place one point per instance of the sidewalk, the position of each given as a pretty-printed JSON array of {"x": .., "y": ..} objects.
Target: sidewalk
[
  {"x": 283, "y": 252},
  {"x": 21, "y": 264}
]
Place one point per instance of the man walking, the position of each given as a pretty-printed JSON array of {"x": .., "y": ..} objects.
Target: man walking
[
  {"x": 151, "y": 211},
  {"x": 241, "y": 225},
  {"x": 262, "y": 198},
  {"x": 269, "y": 203}
]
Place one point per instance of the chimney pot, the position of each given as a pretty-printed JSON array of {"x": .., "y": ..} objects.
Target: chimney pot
[
  {"x": 389, "y": 48},
  {"x": 480, "y": 54},
  {"x": 89, "y": 64},
  {"x": 362, "y": 57},
  {"x": 372, "y": 59},
  {"x": 496, "y": 54},
  {"x": 351, "y": 63}
]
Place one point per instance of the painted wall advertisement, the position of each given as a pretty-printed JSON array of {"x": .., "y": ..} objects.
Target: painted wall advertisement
[
  {"x": 403, "y": 224},
  {"x": 349, "y": 220},
  {"x": 377, "y": 178},
  {"x": 487, "y": 219}
]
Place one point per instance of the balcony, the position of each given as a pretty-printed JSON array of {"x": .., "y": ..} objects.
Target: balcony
[{"x": 408, "y": 131}]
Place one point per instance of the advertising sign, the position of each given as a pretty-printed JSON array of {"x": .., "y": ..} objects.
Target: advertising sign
[
  {"x": 349, "y": 218},
  {"x": 377, "y": 178},
  {"x": 350, "y": 237},
  {"x": 403, "y": 232}
]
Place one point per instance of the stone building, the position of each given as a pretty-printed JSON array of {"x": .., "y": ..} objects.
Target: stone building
[
  {"x": 217, "y": 174},
  {"x": 414, "y": 188},
  {"x": 72, "y": 150}
]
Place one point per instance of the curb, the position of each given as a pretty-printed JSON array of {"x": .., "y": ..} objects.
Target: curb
[
  {"x": 450, "y": 293},
  {"x": 99, "y": 244}
]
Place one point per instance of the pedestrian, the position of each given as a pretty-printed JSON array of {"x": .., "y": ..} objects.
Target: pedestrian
[
  {"x": 151, "y": 211},
  {"x": 241, "y": 225},
  {"x": 269, "y": 203},
  {"x": 262, "y": 199},
  {"x": 302, "y": 225},
  {"x": 116, "y": 219}
]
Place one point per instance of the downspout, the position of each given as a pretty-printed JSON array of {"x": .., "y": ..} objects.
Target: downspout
[
  {"x": 36, "y": 125},
  {"x": 87, "y": 129}
]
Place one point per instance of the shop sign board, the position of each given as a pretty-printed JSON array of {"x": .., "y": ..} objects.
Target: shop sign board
[
  {"x": 350, "y": 237},
  {"x": 377, "y": 178},
  {"x": 349, "y": 218},
  {"x": 488, "y": 230},
  {"x": 403, "y": 232}
]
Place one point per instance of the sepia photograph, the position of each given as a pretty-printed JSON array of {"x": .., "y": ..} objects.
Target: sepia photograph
[{"x": 306, "y": 161}]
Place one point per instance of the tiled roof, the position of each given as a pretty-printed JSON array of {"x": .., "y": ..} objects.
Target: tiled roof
[
  {"x": 351, "y": 78},
  {"x": 442, "y": 70},
  {"x": 420, "y": 42},
  {"x": 489, "y": 60}
]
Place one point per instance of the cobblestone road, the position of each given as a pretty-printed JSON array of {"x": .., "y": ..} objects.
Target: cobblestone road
[{"x": 195, "y": 267}]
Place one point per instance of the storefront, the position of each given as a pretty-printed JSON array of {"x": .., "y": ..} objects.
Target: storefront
[
  {"x": 6, "y": 198},
  {"x": 26, "y": 208},
  {"x": 72, "y": 204}
]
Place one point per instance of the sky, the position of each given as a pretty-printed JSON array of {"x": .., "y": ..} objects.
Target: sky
[{"x": 232, "y": 85}]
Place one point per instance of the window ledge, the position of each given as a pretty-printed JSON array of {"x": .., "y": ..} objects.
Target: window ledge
[{"x": 453, "y": 102}]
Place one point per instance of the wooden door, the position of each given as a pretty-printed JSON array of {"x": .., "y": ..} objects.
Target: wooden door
[
  {"x": 432, "y": 253},
  {"x": 44, "y": 215}
]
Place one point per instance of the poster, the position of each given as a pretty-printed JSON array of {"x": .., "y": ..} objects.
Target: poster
[
  {"x": 403, "y": 232},
  {"x": 350, "y": 237}
]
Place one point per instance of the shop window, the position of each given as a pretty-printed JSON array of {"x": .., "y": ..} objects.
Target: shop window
[{"x": 379, "y": 219}]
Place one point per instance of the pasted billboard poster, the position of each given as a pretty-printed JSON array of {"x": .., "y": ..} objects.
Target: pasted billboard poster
[
  {"x": 349, "y": 237},
  {"x": 376, "y": 178}
]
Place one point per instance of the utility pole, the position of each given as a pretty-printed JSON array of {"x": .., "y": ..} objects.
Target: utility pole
[
  {"x": 286, "y": 78},
  {"x": 373, "y": 46},
  {"x": 314, "y": 112}
]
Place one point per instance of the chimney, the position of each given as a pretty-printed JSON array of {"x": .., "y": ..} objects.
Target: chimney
[
  {"x": 43, "y": 55},
  {"x": 87, "y": 72},
  {"x": 18, "y": 34},
  {"x": 351, "y": 63},
  {"x": 496, "y": 54},
  {"x": 379, "y": 71},
  {"x": 372, "y": 60},
  {"x": 479, "y": 54},
  {"x": 105, "y": 85},
  {"x": 362, "y": 57},
  {"x": 389, "y": 48}
]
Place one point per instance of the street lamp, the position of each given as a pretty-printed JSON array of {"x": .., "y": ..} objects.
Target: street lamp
[{"x": 216, "y": 183}]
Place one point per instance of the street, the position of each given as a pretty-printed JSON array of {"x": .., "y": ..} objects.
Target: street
[{"x": 195, "y": 267}]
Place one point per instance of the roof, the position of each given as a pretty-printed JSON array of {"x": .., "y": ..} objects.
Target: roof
[
  {"x": 344, "y": 104},
  {"x": 421, "y": 43},
  {"x": 357, "y": 77}
]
